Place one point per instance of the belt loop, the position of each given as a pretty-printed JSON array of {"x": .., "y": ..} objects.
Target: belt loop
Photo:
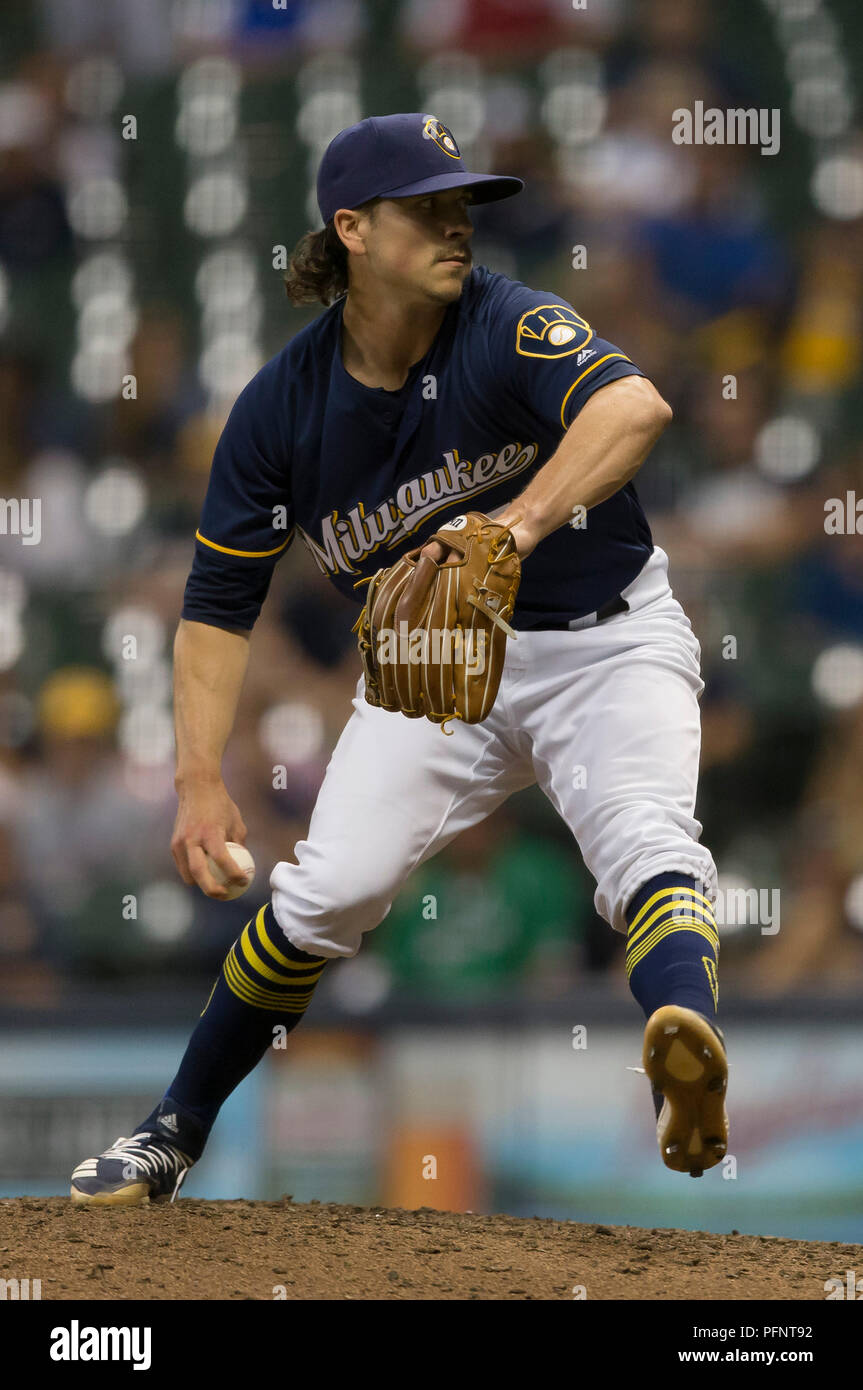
[{"x": 612, "y": 608}]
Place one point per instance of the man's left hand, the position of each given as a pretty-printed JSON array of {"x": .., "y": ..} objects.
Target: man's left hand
[{"x": 511, "y": 518}]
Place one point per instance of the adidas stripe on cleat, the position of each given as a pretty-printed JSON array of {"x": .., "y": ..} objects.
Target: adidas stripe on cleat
[
  {"x": 131, "y": 1172},
  {"x": 684, "y": 1058}
]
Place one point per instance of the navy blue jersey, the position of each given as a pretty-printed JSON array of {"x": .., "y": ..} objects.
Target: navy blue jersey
[{"x": 363, "y": 474}]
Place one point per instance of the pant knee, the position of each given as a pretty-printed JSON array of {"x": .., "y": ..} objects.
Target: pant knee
[
  {"x": 329, "y": 918},
  {"x": 674, "y": 851}
]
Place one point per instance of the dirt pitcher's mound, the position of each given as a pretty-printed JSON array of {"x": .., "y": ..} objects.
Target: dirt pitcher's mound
[{"x": 266, "y": 1250}]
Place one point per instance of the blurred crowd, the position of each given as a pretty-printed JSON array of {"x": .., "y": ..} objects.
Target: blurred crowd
[{"x": 138, "y": 294}]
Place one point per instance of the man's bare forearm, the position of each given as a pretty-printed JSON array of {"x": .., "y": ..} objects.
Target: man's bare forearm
[
  {"x": 604, "y": 447},
  {"x": 209, "y": 670}
]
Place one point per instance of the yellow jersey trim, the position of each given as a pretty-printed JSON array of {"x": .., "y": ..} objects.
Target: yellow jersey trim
[
  {"x": 607, "y": 358},
  {"x": 250, "y": 554}
]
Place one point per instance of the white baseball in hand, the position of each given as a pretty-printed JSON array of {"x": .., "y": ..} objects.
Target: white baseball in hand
[{"x": 244, "y": 862}]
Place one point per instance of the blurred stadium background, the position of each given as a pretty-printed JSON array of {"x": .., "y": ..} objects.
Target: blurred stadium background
[{"x": 155, "y": 257}]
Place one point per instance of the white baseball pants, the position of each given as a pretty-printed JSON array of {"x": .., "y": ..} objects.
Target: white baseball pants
[{"x": 604, "y": 719}]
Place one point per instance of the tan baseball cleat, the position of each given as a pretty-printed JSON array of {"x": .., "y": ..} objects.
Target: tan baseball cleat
[{"x": 684, "y": 1057}]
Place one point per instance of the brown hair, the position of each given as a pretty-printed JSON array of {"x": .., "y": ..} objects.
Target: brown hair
[{"x": 318, "y": 269}]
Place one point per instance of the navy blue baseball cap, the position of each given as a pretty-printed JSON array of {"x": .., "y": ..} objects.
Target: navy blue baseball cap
[{"x": 397, "y": 157}]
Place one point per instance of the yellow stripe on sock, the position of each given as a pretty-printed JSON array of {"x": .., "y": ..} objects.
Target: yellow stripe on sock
[
  {"x": 667, "y": 909},
  {"x": 665, "y": 893},
  {"x": 689, "y": 923},
  {"x": 659, "y": 933},
  {"x": 262, "y": 969},
  {"x": 275, "y": 952},
  {"x": 277, "y": 1001},
  {"x": 667, "y": 915},
  {"x": 249, "y": 996},
  {"x": 712, "y": 978},
  {"x": 207, "y": 1005},
  {"x": 266, "y": 997}
]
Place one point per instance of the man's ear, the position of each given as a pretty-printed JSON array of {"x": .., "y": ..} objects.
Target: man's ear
[{"x": 348, "y": 225}]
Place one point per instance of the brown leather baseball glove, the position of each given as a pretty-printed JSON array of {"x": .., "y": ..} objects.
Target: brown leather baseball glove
[{"x": 432, "y": 637}]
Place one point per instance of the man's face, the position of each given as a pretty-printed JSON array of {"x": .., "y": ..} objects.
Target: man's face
[{"x": 421, "y": 244}]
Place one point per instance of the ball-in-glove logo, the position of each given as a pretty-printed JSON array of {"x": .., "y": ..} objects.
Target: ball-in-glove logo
[
  {"x": 434, "y": 129},
  {"x": 551, "y": 330}
]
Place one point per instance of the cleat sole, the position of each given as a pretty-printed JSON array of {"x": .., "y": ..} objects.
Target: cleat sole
[
  {"x": 686, "y": 1063},
  {"x": 136, "y": 1195}
]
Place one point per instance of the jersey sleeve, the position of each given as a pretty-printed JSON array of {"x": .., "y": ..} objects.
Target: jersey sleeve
[
  {"x": 549, "y": 356},
  {"x": 247, "y": 520}
]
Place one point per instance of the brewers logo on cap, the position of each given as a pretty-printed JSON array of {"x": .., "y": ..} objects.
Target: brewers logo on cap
[
  {"x": 551, "y": 330},
  {"x": 443, "y": 138}
]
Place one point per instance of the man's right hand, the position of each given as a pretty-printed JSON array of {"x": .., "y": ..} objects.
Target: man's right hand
[{"x": 206, "y": 818}]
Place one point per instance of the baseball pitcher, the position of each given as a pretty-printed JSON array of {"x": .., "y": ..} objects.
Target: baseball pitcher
[{"x": 457, "y": 450}]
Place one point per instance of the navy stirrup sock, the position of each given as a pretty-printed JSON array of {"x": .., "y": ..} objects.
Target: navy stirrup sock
[
  {"x": 672, "y": 946},
  {"x": 264, "y": 982}
]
